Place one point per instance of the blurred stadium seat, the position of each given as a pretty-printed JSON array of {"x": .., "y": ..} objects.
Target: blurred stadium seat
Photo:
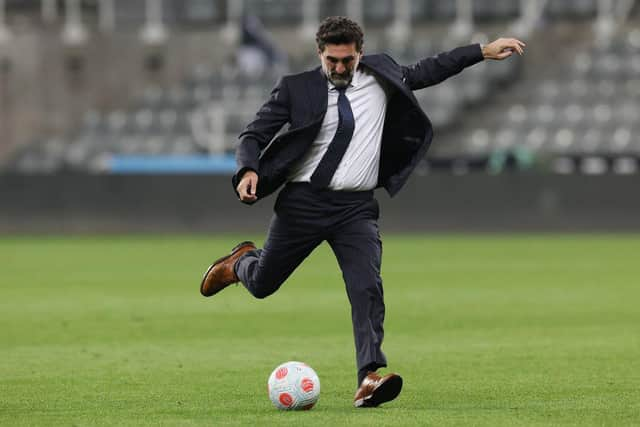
[{"x": 580, "y": 105}]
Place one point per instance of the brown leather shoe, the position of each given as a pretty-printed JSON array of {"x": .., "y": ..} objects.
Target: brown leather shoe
[
  {"x": 221, "y": 273},
  {"x": 375, "y": 390}
]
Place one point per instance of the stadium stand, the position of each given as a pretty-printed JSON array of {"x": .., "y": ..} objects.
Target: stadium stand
[
  {"x": 576, "y": 114},
  {"x": 581, "y": 115}
]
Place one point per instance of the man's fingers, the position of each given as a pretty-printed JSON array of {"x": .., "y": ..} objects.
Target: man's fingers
[
  {"x": 517, "y": 45},
  {"x": 508, "y": 50},
  {"x": 247, "y": 189},
  {"x": 518, "y": 48},
  {"x": 515, "y": 49},
  {"x": 504, "y": 48},
  {"x": 246, "y": 195},
  {"x": 515, "y": 41},
  {"x": 253, "y": 184}
]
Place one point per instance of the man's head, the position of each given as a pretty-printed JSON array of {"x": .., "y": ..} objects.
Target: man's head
[{"x": 339, "y": 42}]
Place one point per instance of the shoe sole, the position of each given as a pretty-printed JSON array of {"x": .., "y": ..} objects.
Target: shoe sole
[
  {"x": 386, "y": 392},
  {"x": 218, "y": 261}
]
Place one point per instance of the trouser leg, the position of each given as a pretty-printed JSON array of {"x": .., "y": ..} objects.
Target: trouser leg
[
  {"x": 263, "y": 271},
  {"x": 358, "y": 248}
]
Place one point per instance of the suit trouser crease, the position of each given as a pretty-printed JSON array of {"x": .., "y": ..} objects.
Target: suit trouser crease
[{"x": 303, "y": 219}]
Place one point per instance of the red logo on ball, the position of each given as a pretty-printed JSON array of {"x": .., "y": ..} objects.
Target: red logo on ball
[
  {"x": 281, "y": 373},
  {"x": 285, "y": 399},
  {"x": 307, "y": 385}
]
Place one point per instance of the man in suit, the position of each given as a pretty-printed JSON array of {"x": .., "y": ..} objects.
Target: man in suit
[{"x": 354, "y": 125}]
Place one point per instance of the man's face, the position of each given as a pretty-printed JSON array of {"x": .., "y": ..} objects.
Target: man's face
[{"x": 339, "y": 62}]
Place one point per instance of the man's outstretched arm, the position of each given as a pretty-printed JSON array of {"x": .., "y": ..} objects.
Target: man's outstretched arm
[{"x": 433, "y": 70}]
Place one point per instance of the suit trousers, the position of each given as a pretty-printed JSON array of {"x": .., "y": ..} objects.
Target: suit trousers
[{"x": 347, "y": 220}]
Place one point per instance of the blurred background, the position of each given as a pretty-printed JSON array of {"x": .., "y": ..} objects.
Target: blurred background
[{"x": 123, "y": 115}]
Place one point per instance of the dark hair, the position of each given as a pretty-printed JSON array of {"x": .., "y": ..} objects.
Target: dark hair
[{"x": 339, "y": 30}]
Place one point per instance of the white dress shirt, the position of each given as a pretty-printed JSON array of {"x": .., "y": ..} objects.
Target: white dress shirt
[{"x": 358, "y": 169}]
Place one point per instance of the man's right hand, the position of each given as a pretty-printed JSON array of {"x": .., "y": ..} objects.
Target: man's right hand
[{"x": 247, "y": 187}]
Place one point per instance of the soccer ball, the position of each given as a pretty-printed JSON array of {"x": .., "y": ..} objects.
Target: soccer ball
[{"x": 294, "y": 385}]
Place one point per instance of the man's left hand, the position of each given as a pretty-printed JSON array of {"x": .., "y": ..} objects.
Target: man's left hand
[{"x": 502, "y": 48}]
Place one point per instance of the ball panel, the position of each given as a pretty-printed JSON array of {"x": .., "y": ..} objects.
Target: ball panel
[
  {"x": 285, "y": 399},
  {"x": 281, "y": 373}
]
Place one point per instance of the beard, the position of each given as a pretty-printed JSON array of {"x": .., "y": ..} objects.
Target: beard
[{"x": 340, "y": 80}]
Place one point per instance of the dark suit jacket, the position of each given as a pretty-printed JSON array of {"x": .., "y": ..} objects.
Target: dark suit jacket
[{"x": 301, "y": 101}]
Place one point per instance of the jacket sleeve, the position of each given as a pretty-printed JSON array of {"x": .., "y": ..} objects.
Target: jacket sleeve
[
  {"x": 433, "y": 70},
  {"x": 268, "y": 121}
]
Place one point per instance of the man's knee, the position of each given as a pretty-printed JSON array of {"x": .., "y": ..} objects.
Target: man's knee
[
  {"x": 261, "y": 288},
  {"x": 262, "y": 293}
]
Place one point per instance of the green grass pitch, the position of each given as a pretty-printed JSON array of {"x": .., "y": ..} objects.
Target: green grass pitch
[{"x": 495, "y": 330}]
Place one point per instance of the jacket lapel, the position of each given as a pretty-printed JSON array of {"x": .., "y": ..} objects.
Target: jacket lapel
[
  {"x": 393, "y": 76},
  {"x": 318, "y": 92}
]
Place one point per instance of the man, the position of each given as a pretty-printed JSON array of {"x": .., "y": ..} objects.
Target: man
[{"x": 354, "y": 126}]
